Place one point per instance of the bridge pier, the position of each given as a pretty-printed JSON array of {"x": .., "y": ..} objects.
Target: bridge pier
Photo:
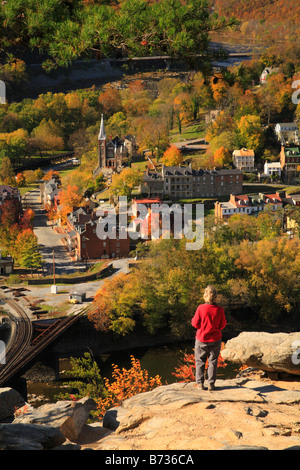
[{"x": 20, "y": 385}]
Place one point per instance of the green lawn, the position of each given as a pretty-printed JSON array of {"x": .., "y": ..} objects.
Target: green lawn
[{"x": 195, "y": 131}]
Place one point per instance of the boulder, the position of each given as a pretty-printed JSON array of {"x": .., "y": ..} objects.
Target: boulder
[
  {"x": 67, "y": 416},
  {"x": 10, "y": 400},
  {"x": 272, "y": 352},
  {"x": 20, "y": 436}
]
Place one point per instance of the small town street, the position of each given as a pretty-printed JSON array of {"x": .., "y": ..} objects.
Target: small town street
[{"x": 48, "y": 239}]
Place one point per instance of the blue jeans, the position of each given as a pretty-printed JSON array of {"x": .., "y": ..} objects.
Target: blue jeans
[{"x": 204, "y": 351}]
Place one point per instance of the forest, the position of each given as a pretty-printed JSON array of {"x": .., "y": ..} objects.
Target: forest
[
  {"x": 155, "y": 111},
  {"x": 249, "y": 260},
  {"x": 263, "y": 21}
]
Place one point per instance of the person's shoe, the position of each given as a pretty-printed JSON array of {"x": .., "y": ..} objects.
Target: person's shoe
[
  {"x": 211, "y": 387},
  {"x": 201, "y": 386}
]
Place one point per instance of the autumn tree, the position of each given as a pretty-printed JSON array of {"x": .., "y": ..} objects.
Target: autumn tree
[
  {"x": 172, "y": 156},
  {"x": 20, "y": 179},
  {"x": 108, "y": 393},
  {"x": 110, "y": 100},
  {"x": 6, "y": 171},
  {"x": 26, "y": 250},
  {"x": 250, "y": 132},
  {"x": 47, "y": 136},
  {"x": 222, "y": 157},
  {"x": 271, "y": 270},
  {"x": 152, "y": 134},
  {"x": 125, "y": 182},
  {"x": 26, "y": 221},
  {"x": 14, "y": 145},
  {"x": 69, "y": 198},
  {"x": 126, "y": 383}
]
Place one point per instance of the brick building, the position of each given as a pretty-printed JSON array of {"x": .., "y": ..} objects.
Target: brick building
[
  {"x": 84, "y": 243},
  {"x": 290, "y": 161}
]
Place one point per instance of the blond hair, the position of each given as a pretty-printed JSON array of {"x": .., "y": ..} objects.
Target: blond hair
[{"x": 210, "y": 294}]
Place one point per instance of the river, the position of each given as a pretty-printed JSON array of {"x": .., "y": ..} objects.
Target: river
[{"x": 159, "y": 360}]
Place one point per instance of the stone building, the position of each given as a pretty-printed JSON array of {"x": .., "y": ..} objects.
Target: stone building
[
  {"x": 112, "y": 153},
  {"x": 183, "y": 182}
]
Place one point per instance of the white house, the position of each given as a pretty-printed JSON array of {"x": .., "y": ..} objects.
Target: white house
[
  {"x": 272, "y": 168},
  {"x": 243, "y": 159},
  {"x": 287, "y": 132},
  {"x": 266, "y": 72}
]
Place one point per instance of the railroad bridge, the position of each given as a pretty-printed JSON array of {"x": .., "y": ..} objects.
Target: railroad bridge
[
  {"x": 23, "y": 345},
  {"x": 35, "y": 163}
]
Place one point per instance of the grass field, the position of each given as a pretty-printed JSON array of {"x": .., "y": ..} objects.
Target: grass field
[{"x": 189, "y": 132}]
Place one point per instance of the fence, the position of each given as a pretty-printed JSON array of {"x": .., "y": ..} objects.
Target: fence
[{"x": 73, "y": 280}]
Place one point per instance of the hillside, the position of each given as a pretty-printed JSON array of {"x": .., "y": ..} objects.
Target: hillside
[{"x": 266, "y": 20}]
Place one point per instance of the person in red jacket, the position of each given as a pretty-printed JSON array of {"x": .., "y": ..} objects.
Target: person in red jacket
[{"x": 209, "y": 319}]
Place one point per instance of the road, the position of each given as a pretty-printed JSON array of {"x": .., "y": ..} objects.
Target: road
[
  {"x": 43, "y": 294},
  {"x": 48, "y": 239}
]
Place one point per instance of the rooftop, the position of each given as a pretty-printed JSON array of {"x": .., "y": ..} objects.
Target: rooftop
[{"x": 243, "y": 153}]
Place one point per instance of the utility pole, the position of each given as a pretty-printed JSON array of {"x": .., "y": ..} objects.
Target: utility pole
[
  {"x": 53, "y": 269},
  {"x": 54, "y": 289}
]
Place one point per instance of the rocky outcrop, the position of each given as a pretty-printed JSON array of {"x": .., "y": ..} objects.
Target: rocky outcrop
[
  {"x": 273, "y": 352},
  {"x": 250, "y": 412},
  {"x": 57, "y": 425},
  {"x": 67, "y": 416},
  {"x": 21, "y": 436},
  {"x": 243, "y": 413}
]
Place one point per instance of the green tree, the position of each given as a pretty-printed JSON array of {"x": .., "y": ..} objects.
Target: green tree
[
  {"x": 26, "y": 250},
  {"x": 88, "y": 383},
  {"x": 131, "y": 28},
  {"x": 125, "y": 182},
  {"x": 6, "y": 171}
]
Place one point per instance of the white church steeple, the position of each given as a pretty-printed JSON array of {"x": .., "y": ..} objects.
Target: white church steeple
[{"x": 102, "y": 135}]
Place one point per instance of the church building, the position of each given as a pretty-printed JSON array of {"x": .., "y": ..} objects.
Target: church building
[{"x": 111, "y": 153}]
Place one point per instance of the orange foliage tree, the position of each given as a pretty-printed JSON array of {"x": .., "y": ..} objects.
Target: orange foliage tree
[
  {"x": 114, "y": 305},
  {"x": 69, "y": 198},
  {"x": 172, "y": 156},
  {"x": 110, "y": 100},
  {"x": 126, "y": 383},
  {"x": 222, "y": 156}
]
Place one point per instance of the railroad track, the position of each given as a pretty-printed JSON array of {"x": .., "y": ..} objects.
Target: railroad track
[
  {"x": 21, "y": 338},
  {"x": 23, "y": 348}
]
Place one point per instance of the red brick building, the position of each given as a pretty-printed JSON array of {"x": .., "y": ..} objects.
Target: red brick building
[{"x": 83, "y": 240}]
